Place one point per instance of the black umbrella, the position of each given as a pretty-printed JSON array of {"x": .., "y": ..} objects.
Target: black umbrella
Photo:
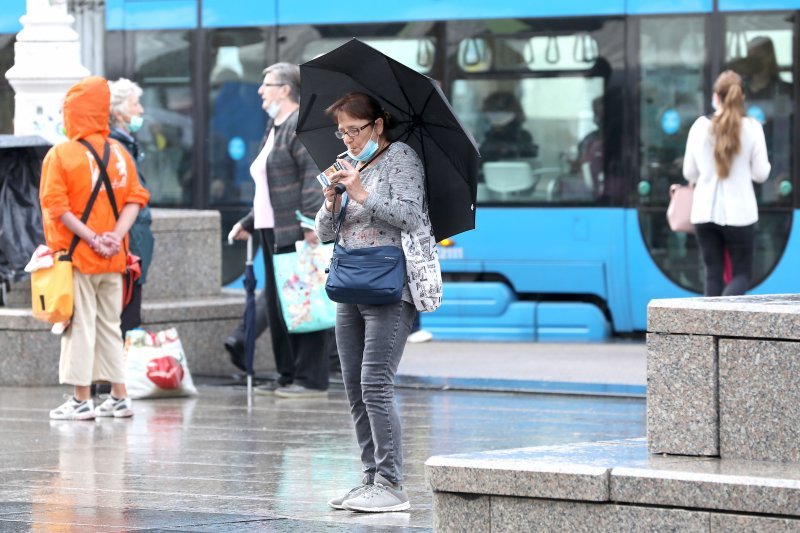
[
  {"x": 427, "y": 123},
  {"x": 249, "y": 319}
]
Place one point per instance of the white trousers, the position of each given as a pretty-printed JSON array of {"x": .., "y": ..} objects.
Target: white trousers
[{"x": 91, "y": 348}]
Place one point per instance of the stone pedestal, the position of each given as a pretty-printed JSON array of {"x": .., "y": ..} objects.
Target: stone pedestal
[
  {"x": 182, "y": 291},
  {"x": 47, "y": 62},
  {"x": 721, "y": 452}
]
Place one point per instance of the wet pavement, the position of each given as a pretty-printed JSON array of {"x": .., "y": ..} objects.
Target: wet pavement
[{"x": 206, "y": 464}]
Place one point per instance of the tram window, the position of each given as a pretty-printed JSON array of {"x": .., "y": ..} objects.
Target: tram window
[
  {"x": 759, "y": 47},
  {"x": 672, "y": 61},
  {"x": 538, "y": 53},
  {"x": 540, "y": 138},
  {"x": 417, "y": 54},
  {"x": 236, "y": 121},
  {"x": 163, "y": 69}
]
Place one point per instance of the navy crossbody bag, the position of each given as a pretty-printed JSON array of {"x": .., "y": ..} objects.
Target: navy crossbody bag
[{"x": 366, "y": 276}]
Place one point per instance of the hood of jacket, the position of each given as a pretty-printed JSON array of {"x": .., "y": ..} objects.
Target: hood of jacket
[{"x": 86, "y": 108}]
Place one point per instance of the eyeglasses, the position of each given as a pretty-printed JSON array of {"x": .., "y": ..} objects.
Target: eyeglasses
[
  {"x": 351, "y": 132},
  {"x": 273, "y": 84}
]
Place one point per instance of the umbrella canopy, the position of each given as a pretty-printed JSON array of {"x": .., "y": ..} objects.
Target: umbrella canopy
[{"x": 427, "y": 123}]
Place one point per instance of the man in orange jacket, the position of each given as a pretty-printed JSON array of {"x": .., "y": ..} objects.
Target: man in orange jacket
[{"x": 91, "y": 348}]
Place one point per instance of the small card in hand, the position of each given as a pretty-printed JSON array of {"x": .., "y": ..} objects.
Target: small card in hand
[{"x": 327, "y": 173}]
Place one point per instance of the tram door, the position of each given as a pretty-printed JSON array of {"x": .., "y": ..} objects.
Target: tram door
[{"x": 673, "y": 91}]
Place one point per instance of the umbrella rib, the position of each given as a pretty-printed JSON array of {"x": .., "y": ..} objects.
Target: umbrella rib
[{"x": 447, "y": 154}]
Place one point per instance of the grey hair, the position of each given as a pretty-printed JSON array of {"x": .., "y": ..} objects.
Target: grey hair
[
  {"x": 121, "y": 90},
  {"x": 289, "y": 74}
]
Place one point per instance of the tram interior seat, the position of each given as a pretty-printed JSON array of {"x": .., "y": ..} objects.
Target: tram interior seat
[{"x": 507, "y": 179}]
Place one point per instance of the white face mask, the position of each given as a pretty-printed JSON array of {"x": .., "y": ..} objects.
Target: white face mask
[
  {"x": 499, "y": 118},
  {"x": 714, "y": 102},
  {"x": 273, "y": 108}
]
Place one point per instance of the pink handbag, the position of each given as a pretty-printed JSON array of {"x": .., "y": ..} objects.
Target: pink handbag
[{"x": 680, "y": 208}]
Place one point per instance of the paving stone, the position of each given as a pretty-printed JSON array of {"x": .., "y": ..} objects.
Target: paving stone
[{"x": 210, "y": 464}]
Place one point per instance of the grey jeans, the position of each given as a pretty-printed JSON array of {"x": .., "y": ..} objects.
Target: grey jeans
[{"x": 371, "y": 340}]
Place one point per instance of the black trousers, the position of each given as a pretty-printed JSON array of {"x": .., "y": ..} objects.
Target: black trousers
[
  {"x": 740, "y": 243},
  {"x": 299, "y": 357}
]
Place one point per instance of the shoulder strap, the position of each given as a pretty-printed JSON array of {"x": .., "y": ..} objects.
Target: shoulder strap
[
  {"x": 103, "y": 164},
  {"x": 341, "y": 219},
  {"x": 92, "y": 198}
]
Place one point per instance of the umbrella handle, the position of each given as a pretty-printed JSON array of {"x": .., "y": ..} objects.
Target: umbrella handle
[{"x": 250, "y": 249}]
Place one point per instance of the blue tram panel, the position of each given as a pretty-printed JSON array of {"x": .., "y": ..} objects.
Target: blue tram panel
[{"x": 555, "y": 273}]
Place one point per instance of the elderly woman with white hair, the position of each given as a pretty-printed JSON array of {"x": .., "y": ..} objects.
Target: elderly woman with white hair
[{"x": 125, "y": 120}]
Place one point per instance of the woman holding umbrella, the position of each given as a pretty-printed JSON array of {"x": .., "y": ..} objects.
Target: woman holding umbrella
[{"x": 385, "y": 184}]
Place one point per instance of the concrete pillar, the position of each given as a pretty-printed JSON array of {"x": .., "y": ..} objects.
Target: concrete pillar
[{"x": 47, "y": 61}]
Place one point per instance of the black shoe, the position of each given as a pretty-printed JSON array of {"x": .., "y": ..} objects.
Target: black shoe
[{"x": 236, "y": 351}]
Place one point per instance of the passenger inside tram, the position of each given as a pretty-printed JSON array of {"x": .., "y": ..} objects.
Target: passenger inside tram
[
  {"x": 768, "y": 99},
  {"x": 506, "y": 139},
  {"x": 507, "y": 149},
  {"x": 589, "y": 163}
]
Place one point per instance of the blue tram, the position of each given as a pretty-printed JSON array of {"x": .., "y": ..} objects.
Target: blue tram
[{"x": 581, "y": 110}]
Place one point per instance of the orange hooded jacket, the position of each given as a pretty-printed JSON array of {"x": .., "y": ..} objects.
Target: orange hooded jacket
[{"x": 69, "y": 173}]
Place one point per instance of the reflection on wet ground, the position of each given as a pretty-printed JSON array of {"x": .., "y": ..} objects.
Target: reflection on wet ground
[{"x": 207, "y": 464}]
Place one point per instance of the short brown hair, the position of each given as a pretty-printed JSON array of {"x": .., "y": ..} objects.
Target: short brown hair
[{"x": 363, "y": 106}]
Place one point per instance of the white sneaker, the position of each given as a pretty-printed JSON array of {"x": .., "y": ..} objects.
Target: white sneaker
[
  {"x": 118, "y": 408},
  {"x": 72, "y": 409},
  {"x": 380, "y": 497},
  {"x": 421, "y": 335}
]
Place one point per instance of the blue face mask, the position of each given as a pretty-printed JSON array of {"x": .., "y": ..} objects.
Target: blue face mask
[
  {"x": 135, "y": 124},
  {"x": 367, "y": 152}
]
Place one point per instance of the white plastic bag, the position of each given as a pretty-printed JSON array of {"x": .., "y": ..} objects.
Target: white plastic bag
[{"x": 155, "y": 365}]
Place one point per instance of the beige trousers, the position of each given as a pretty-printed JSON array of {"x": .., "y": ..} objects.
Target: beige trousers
[{"x": 91, "y": 348}]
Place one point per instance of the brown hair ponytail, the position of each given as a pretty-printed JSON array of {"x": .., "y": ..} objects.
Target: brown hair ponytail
[{"x": 726, "y": 125}]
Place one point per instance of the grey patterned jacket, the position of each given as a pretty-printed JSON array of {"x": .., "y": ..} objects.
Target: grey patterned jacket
[{"x": 396, "y": 189}]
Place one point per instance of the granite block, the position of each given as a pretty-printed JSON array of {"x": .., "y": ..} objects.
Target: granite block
[
  {"x": 759, "y": 400},
  {"x": 712, "y": 484},
  {"x": 523, "y": 514},
  {"x": 460, "y": 512},
  {"x": 723, "y": 523},
  {"x": 29, "y": 353},
  {"x": 518, "y": 478},
  {"x": 181, "y": 220},
  {"x": 29, "y": 358},
  {"x": 571, "y": 472},
  {"x": 682, "y": 412},
  {"x": 19, "y": 294},
  {"x": 185, "y": 264},
  {"x": 227, "y": 306},
  {"x": 21, "y": 320},
  {"x": 754, "y": 316}
]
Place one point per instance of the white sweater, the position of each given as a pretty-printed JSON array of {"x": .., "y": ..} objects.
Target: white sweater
[{"x": 731, "y": 201}]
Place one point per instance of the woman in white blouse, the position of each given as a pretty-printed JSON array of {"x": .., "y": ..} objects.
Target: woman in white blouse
[{"x": 724, "y": 156}]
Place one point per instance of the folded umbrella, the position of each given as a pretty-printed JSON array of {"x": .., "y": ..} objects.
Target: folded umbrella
[
  {"x": 426, "y": 122},
  {"x": 249, "y": 319}
]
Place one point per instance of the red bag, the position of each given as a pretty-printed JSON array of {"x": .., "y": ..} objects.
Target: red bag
[
  {"x": 727, "y": 272},
  {"x": 133, "y": 271}
]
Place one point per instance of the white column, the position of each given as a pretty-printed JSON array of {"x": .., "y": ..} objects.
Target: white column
[{"x": 47, "y": 62}]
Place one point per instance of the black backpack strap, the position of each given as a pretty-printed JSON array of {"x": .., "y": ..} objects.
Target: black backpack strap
[
  {"x": 103, "y": 164},
  {"x": 92, "y": 198}
]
